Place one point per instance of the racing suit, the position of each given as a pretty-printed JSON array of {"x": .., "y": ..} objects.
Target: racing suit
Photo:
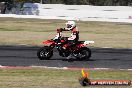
[{"x": 71, "y": 40}]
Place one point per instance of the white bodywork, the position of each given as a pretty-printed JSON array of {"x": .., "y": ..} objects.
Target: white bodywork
[{"x": 88, "y": 42}]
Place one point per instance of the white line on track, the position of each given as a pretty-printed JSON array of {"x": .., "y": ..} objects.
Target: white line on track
[{"x": 62, "y": 68}]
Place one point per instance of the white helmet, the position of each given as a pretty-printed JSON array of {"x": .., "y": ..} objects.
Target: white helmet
[{"x": 70, "y": 25}]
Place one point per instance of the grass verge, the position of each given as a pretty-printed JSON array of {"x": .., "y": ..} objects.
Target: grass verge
[
  {"x": 51, "y": 78},
  {"x": 34, "y": 31}
]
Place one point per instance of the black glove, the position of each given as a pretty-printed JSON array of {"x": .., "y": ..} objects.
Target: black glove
[{"x": 61, "y": 29}]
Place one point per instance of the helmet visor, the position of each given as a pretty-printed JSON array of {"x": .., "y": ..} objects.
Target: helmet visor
[{"x": 69, "y": 26}]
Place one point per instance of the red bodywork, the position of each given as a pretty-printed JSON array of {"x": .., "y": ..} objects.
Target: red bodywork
[
  {"x": 80, "y": 45},
  {"x": 48, "y": 42},
  {"x": 77, "y": 46},
  {"x": 52, "y": 42}
]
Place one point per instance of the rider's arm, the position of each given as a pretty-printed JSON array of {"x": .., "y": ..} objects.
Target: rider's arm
[
  {"x": 62, "y": 29},
  {"x": 65, "y": 29},
  {"x": 57, "y": 36}
]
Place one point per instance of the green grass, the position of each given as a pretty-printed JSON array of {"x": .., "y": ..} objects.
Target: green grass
[
  {"x": 50, "y": 78},
  {"x": 34, "y": 31}
]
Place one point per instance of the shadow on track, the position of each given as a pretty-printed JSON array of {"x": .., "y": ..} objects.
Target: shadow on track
[{"x": 70, "y": 60}]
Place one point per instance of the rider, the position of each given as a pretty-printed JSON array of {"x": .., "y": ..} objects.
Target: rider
[{"x": 70, "y": 26}]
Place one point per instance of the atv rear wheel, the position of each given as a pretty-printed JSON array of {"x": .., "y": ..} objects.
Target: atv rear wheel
[
  {"x": 44, "y": 53},
  {"x": 85, "y": 53}
]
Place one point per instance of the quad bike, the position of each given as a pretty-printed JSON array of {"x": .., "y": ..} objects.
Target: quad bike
[{"x": 78, "y": 50}]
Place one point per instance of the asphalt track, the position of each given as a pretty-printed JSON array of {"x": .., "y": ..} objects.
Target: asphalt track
[{"x": 101, "y": 58}]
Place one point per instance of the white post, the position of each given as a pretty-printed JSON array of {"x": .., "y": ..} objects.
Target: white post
[{"x": 41, "y": 1}]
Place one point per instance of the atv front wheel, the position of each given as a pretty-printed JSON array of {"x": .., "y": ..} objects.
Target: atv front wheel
[{"x": 44, "y": 53}]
